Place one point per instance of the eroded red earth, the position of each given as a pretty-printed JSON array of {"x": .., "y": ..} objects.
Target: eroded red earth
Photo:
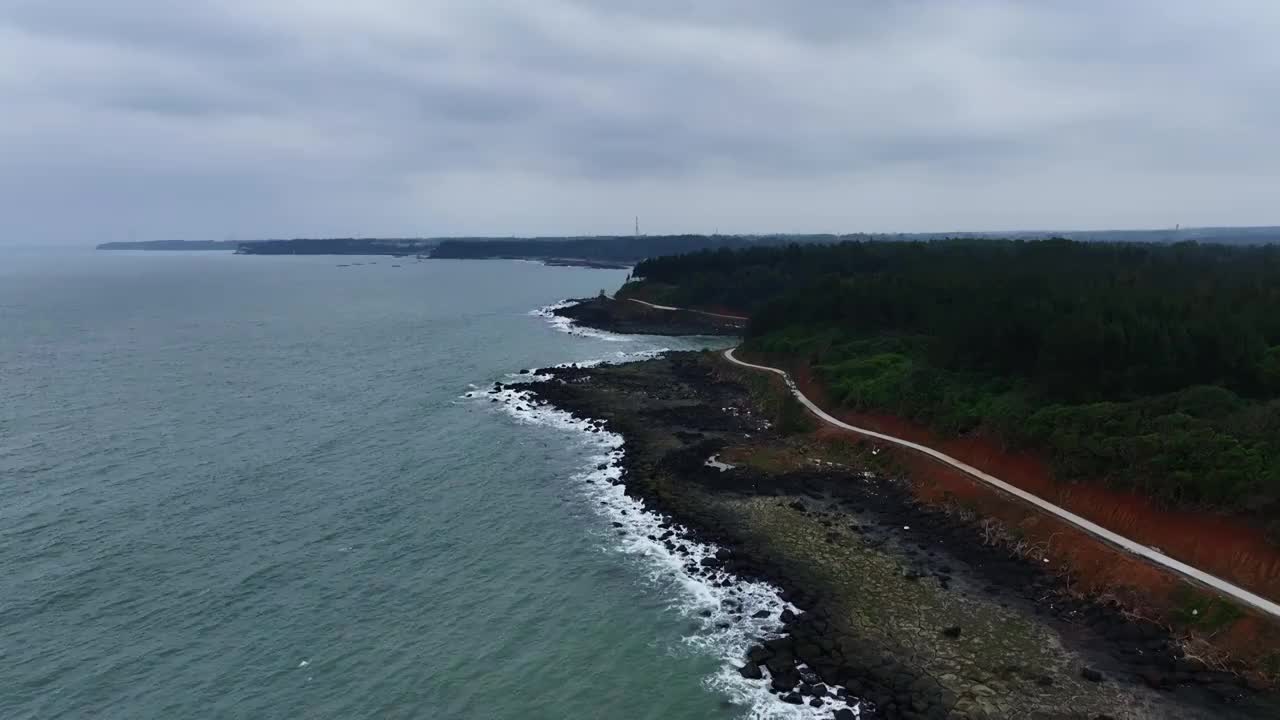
[{"x": 1216, "y": 544}]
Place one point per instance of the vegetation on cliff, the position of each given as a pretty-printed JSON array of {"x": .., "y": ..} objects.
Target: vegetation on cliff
[{"x": 1150, "y": 367}]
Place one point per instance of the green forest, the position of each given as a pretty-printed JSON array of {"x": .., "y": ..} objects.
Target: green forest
[{"x": 1145, "y": 366}]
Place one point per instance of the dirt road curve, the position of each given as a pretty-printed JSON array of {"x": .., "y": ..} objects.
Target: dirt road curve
[
  {"x": 1149, "y": 554},
  {"x": 700, "y": 312}
]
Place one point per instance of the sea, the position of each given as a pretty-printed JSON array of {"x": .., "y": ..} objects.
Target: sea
[{"x": 280, "y": 487}]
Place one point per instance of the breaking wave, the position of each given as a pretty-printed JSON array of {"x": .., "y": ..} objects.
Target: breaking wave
[{"x": 731, "y": 613}]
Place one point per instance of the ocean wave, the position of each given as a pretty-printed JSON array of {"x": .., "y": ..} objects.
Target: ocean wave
[
  {"x": 615, "y": 358},
  {"x": 566, "y": 325},
  {"x": 722, "y": 605}
]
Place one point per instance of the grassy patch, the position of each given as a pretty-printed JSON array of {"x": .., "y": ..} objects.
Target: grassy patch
[
  {"x": 1204, "y": 612},
  {"x": 776, "y": 402},
  {"x": 1271, "y": 665}
]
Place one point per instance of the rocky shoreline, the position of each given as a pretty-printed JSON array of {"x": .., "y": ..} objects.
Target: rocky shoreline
[
  {"x": 628, "y": 318},
  {"x": 901, "y": 606}
]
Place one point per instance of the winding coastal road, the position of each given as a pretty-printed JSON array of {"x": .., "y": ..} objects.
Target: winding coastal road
[
  {"x": 1151, "y": 555},
  {"x": 697, "y": 312},
  {"x": 1135, "y": 548}
]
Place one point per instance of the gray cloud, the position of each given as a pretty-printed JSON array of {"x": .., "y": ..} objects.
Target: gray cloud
[{"x": 145, "y": 118}]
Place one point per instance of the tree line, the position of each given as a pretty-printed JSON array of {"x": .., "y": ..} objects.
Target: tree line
[{"x": 1150, "y": 367}]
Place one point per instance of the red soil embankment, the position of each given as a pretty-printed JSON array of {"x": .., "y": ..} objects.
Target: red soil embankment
[
  {"x": 1213, "y": 543},
  {"x": 722, "y": 310},
  {"x": 1087, "y": 565},
  {"x": 1219, "y": 545}
]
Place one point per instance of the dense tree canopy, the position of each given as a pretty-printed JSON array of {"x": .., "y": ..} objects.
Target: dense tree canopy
[{"x": 1155, "y": 367}]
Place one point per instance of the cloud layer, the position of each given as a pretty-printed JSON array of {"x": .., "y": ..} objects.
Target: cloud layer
[{"x": 240, "y": 118}]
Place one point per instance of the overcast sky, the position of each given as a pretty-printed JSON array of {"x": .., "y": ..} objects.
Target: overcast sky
[{"x": 147, "y": 119}]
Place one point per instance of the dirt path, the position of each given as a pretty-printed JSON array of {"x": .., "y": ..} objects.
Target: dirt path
[
  {"x": 1149, "y": 554},
  {"x": 700, "y": 312}
]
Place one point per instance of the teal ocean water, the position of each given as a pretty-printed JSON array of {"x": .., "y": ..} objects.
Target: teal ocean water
[{"x": 257, "y": 487}]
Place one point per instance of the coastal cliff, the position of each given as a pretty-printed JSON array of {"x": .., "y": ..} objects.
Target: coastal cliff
[{"x": 902, "y": 605}]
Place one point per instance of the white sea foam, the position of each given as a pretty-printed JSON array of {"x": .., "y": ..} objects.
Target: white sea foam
[
  {"x": 714, "y": 462},
  {"x": 617, "y": 357},
  {"x": 531, "y": 375},
  {"x": 723, "y": 612},
  {"x": 566, "y": 325}
]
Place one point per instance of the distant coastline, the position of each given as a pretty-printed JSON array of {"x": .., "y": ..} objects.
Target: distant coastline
[
  {"x": 180, "y": 245},
  {"x": 398, "y": 247},
  {"x": 626, "y": 251}
]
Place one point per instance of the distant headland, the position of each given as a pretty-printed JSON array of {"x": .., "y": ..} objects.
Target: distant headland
[
  {"x": 625, "y": 251},
  {"x": 180, "y": 245}
]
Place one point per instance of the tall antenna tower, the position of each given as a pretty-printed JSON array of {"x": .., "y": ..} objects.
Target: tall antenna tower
[{"x": 637, "y": 226}]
